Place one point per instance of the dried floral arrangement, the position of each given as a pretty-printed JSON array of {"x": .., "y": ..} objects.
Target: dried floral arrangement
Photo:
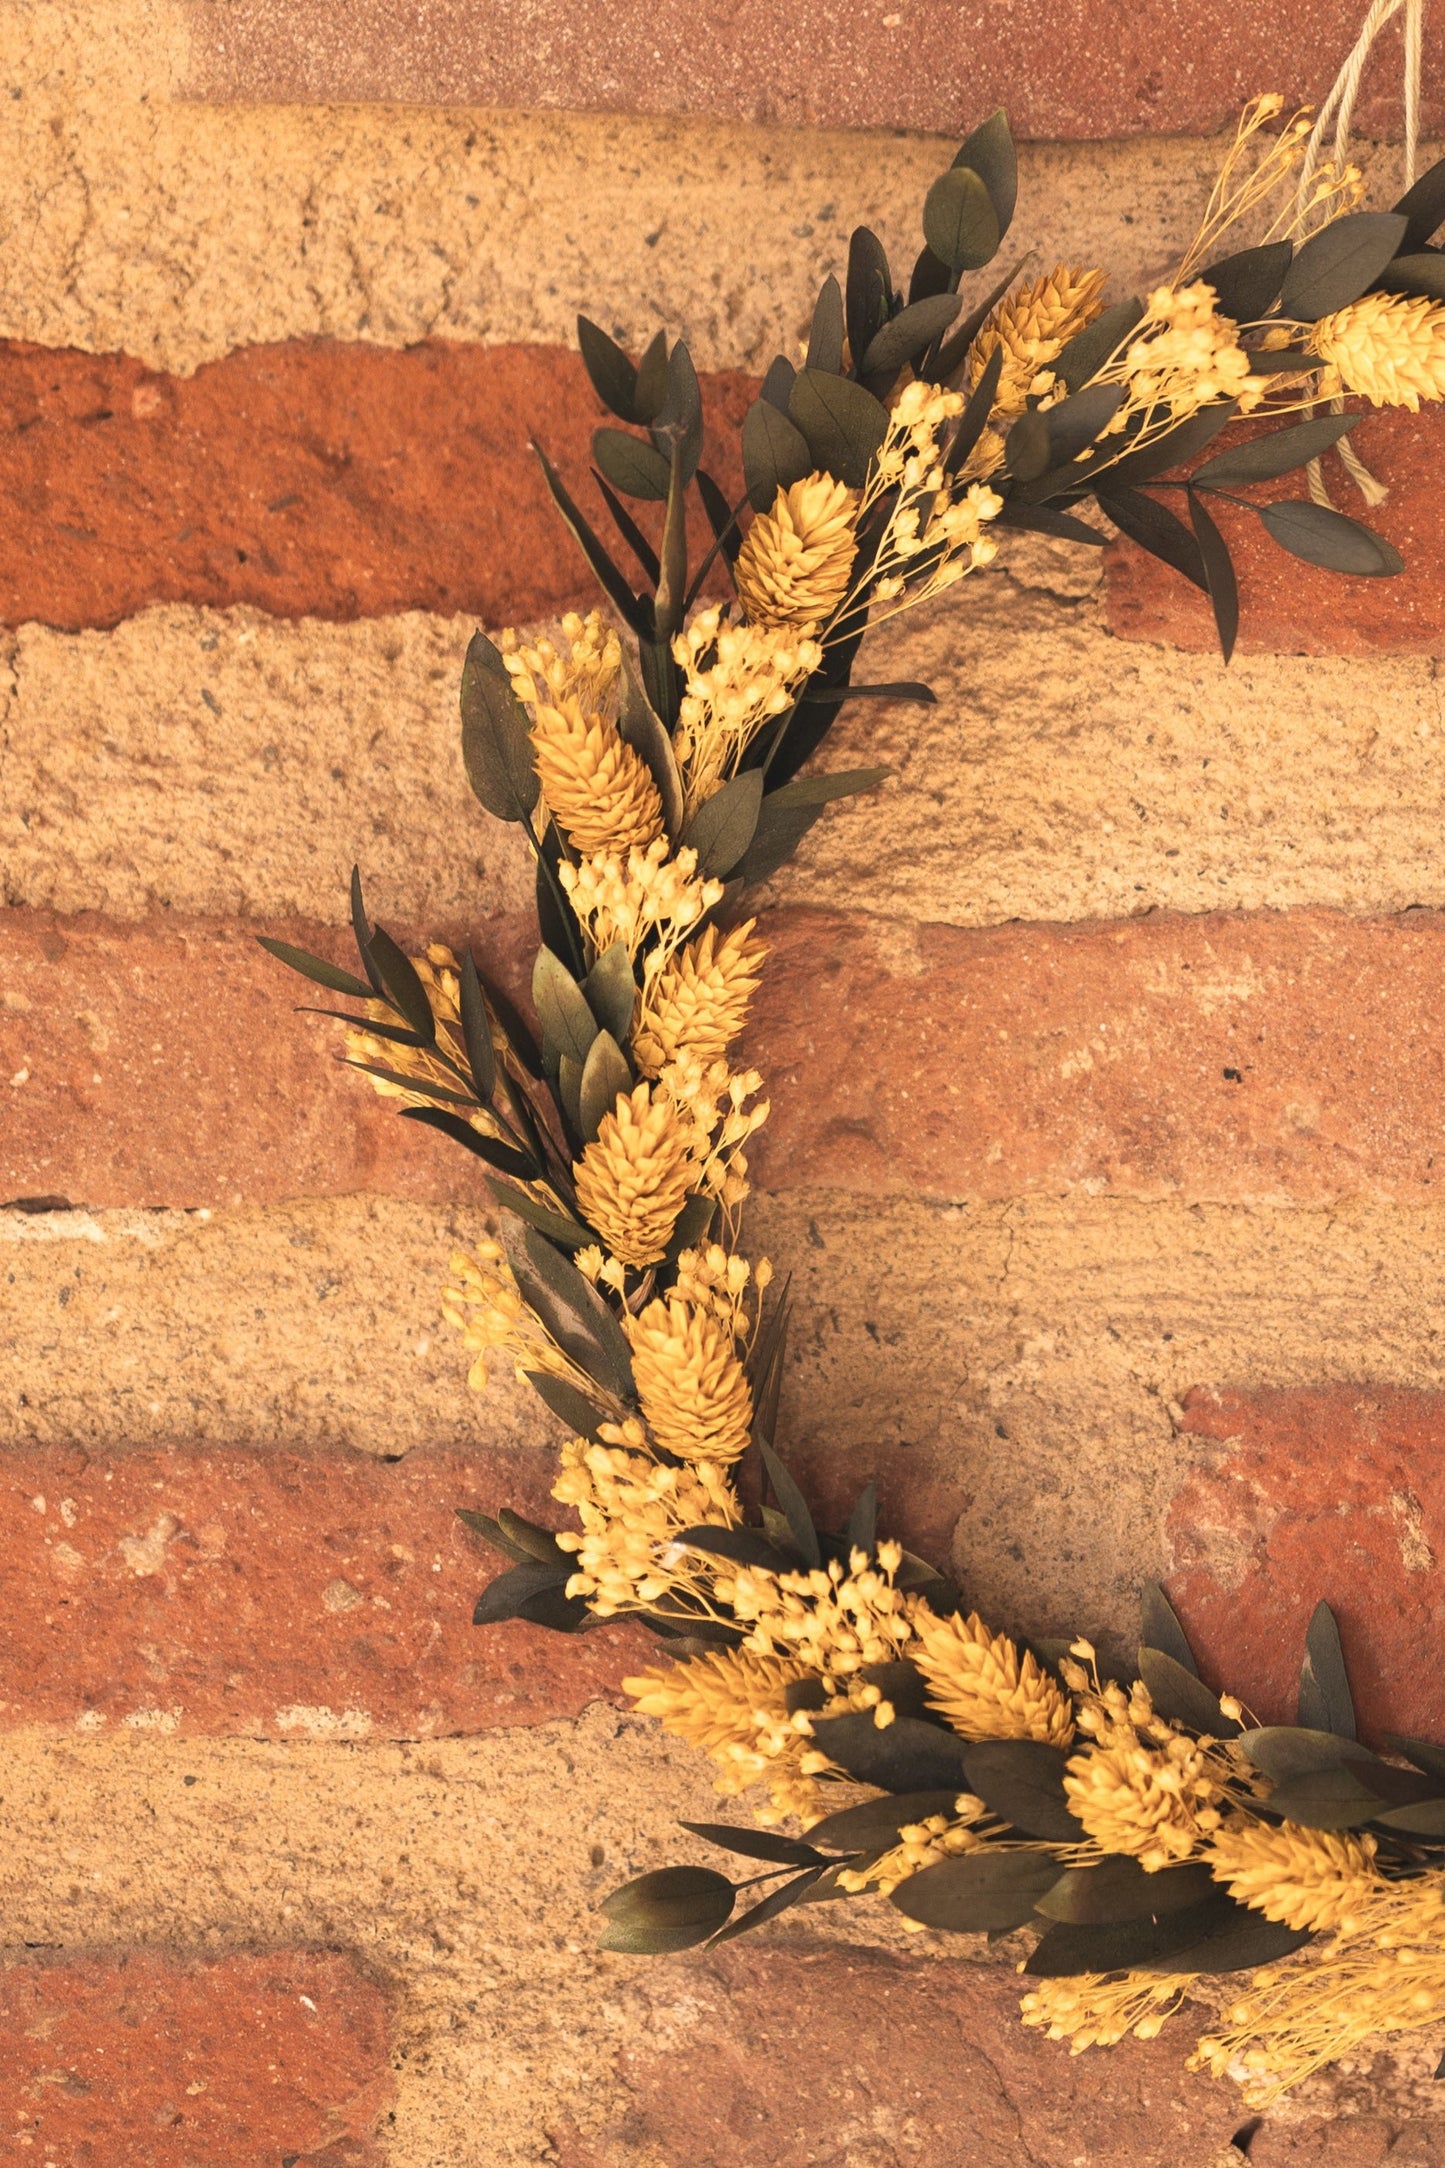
[{"x": 1144, "y": 1829}]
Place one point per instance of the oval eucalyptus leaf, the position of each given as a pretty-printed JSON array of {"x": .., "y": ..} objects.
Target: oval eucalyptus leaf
[
  {"x": 673, "y": 1908},
  {"x": 1159, "y": 1627},
  {"x": 631, "y": 464},
  {"x": 606, "y": 1076},
  {"x": 1426, "y": 1818},
  {"x": 1248, "y": 282},
  {"x": 1086, "y": 353},
  {"x": 1325, "y": 1700},
  {"x": 1119, "y": 1889},
  {"x": 496, "y": 746},
  {"x": 775, "y": 453},
  {"x": 874, "y": 1826},
  {"x": 504, "y": 1597},
  {"x": 725, "y": 824},
  {"x": 1417, "y": 274},
  {"x": 960, "y": 222},
  {"x": 910, "y": 331},
  {"x": 1278, "y": 452},
  {"x": 1183, "y": 1698},
  {"x": 611, "y": 991},
  {"x": 568, "y": 1025},
  {"x": 778, "y": 383},
  {"x": 614, "y": 376},
  {"x": 1028, "y": 448},
  {"x": 869, "y": 293},
  {"x": 1119, "y": 1945},
  {"x": 1238, "y": 1944},
  {"x": 1423, "y": 206},
  {"x": 990, "y": 152},
  {"x": 1324, "y": 537},
  {"x": 652, "y": 379},
  {"x": 677, "y": 423},
  {"x": 316, "y": 968},
  {"x": 825, "y": 338},
  {"x": 644, "y": 730},
  {"x": 571, "y": 1309},
  {"x": 843, "y": 424},
  {"x": 906, "y": 1756},
  {"x": 1340, "y": 262},
  {"x": 1287, "y": 1751},
  {"x": 1173, "y": 448},
  {"x": 1022, "y": 1781},
  {"x": 566, "y": 1403},
  {"x": 756, "y": 1844},
  {"x": 978, "y": 1891}
]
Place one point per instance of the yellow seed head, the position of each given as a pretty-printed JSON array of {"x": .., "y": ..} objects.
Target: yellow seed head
[
  {"x": 1390, "y": 348},
  {"x": 1032, "y": 325},
  {"x": 985, "y": 1686},
  {"x": 634, "y": 1177},
  {"x": 698, "y": 1003},
  {"x": 1305, "y": 1878},
  {"x": 597, "y": 786},
  {"x": 692, "y": 1388},
  {"x": 796, "y": 561}
]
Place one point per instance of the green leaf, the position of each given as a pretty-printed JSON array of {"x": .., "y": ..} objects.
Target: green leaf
[
  {"x": 1159, "y": 1627},
  {"x": 1426, "y": 1818},
  {"x": 1324, "y": 537},
  {"x": 795, "y": 1505},
  {"x": 842, "y": 423},
  {"x": 1173, "y": 448},
  {"x": 1248, "y": 282},
  {"x": 908, "y": 1755},
  {"x": 477, "y": 1031},
  {"x": 960, "y": 222},
  {"x": 617, "y": 590},
  {"x": 1340, "y": 262},
  {"x": 780, "y": 829},
  {"x": 1119, "y": 1945},
  {"x": 756, "y": 1844},
  {"x": 642, "y": 727},
  {"x": 571, "y": 1309},
  {"x": 570, "y": 1233},
  {"x": 677, "y": 424},
  {"x": 869, "y": 290},
  {"x": 614, "y": 376},
  {"x": 1027, "y": 446},
  {"x": 930, "y": 276},
  {"x": 398, "y": 974},
  {"x": 765, "y": 1367},
  {"x": 673, "y": 1908},
  {"x": 653, "y": 379},
  {"x": 316, "y": 969},
  {"x": 1423, "y": 206},
  {"x": 1431, "y": 1759},
  {"x": 1022, "y": 1781},
  {"x": 360, "y": 930},
  {"x": 975, "y": 416},
  {"x": 566, "y": 1403},
  {"x": 1075, "y": 423},
  {"x": 1088, "y": 350},
  {"x": 496, "y": 746},
  {"x": 503, "y": 1157},
  {"x": 672, "y": 558},
  {"x": 568, "y": 1025},
  {"x": 1119, "y": 1889},
  {"x": 910, "y": 331},
  {"x": 1156, "y": 529},
  {"x": 1220, "y": 582},
  {"x": 825, "y": 338},
  {"x": 631, "y": 464},
  {"x": 990, "y": 152},
  {"x": 1181, "y": 1697},
  {"x": 611, "y": 991},
  {"x": 1043, "y": 519},
  {"x": 1287, "y": 1751},
  {"x": 778, "y": 382},
  {"x": 520, "y": 1592},
  {"x": 874, "y": 1825},
  {"x": 534, "y": 1541},
  {"x": 1325, "y": 1700},
  {"x": 482, "y": 1524},
  {"x": 1423, "y": 273},
  {"x": 725, "y": 824},
  {"x": 776, "y": 1901},
  {"x": 739, "y": 1546},
  {"x": 606, "y": 1076},
  {"x": 1277, "y": 452},
  {"x": 861, "y": 1534},
  {"x": 775, "y": 454},
  {"x": 1330, "y": 1799},
  {"x": 978, "y": 1892},
  {"x": 1238, "y": 1943}
]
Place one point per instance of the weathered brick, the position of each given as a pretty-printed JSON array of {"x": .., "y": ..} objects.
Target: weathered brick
[
  {"x": 1333, "y": 1493},
  {"x": 1242, "y": 1057},
  {"x": 147, "y": 2060},
  {"x": 273, "y": 1594},
  {"x": 1289, "y": 608},
  {"x": 1064, "y": 68},
  {"x": 311, "y": 478}
]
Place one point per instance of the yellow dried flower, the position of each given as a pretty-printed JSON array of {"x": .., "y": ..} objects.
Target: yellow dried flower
[
  {"x": 796, "y": 561},
  {"x": 691, "y": 1386},
  {"x": 1184, "y": 355},
  {"x": 634, "y": 1177},
  {"x": 1033, "y": 325},
  {"x": 1305, "y": 1878},
  {"x": 920, "y": 1844},
  {"x": 649, "y": 896},
  {"x": 733, "y": 1705},
  {"x": 600, "y": 790},
  {"x": 1158, "y": 1803},
  {"x": 698, "y": 1003},
  {"x": 985, "y": 1686},
  {"x": 632, "y": 1508},
  {"x": 1390, "y": 348},
  {"x": 1096, "y": 2010},
  {"x": 737, "y": 679}
]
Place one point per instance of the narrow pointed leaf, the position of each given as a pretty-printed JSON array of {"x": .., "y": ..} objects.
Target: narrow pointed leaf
[
  {"x": 477, "y": 1031},
  {"x": 1183, "y": 1698},
  {"x": 1324, "y": 537},
  {"x": 1325, "y": 1700},
  {"x": 605, "y": 1077},
  {"x": 608, "y": 577},
  {"x": 1220, "y": 582},
  {"x": 776, "y": 1901},
  {"x": 566, "y": 1403},
  {"x": 757, "y": 1844},
  {"x": 1156, "y": 529},
  {"x": 503, "y": 1157},
  {"x": 825, "y": 338},
  {"x": 795, "y": 1506},
  {"x": 399, "y": 976},
  {"x": 1277, "y": 452},
  {"x": 1340, "y": 262},
  {"x": 1423, "y": 207},
  {"x": 316, "y": 969},
  {"x": 1159, "y": 1627},
  {"x": 1247, "y": 283},
  {"x": 974, "y": 418},
  {"x": 570, "y": 1233}
]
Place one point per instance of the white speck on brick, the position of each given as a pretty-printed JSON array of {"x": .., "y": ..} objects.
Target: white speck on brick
[{"x": 324, "y": 1723}]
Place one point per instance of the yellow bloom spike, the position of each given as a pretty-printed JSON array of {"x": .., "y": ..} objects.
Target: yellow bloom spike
[
  {"x": 634, "y": 1178},
  {"x": 984, "y": 1686},
  {"x": 597, "y": 786},
  {"x": 1157, "y": 1803},
  {"x": 796, "y": 561},
  {"x": 1033, "y": 324},
  {"x": 699, "y": 1003},
  {"x": 1304, "y": 1878},
  {"x": 692, "y": 1388},
  {"x": 1390, "y": 348},
  {"x": 1096, "y": 2010}
]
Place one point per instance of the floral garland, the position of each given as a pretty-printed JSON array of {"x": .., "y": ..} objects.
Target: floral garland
[{"x": 1145, "y": 1830}]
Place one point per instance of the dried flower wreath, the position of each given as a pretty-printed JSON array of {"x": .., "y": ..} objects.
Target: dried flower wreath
[{"x": 1145, "y": 1829}]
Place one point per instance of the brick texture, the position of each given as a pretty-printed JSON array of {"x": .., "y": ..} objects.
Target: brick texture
[
  {"x": 1270, "y": 1056},
  {"x": 151, "y": 2061},
  {"x": 1333, "y": 1493},
  {"x": 312, "y": 478},
  {"x": 1289, "y": 608},
  {"x": 1064, "y": 68},
  {"x": 274, "y": 1595}
]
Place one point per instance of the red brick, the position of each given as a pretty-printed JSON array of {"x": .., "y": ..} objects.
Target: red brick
[
  {"x": 1334, "y": 1492},
  {"x": 1289, "y": 608},
  {"x": 313, "y": 478},
  {"x": 152, "y": 2061},
  {"x": 1063, "y": 68},
  {"x": 270, "y": 1595},
  {"x": 801, "y": 2054},
  {"x": 1294, "y": 1055}
]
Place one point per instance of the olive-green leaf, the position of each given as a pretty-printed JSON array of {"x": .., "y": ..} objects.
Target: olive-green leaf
[
  {"x": 613, "y": 374},
  {"x": 756, "y": 1844},
  {"x": 843, "y": 424},
  {"x": 631, "y": 464},
  {"x": 1426, "y": 1818},
  {"x": 1325, "y": 1700},
  {"x": 1277, "y": 452},
  {"x": 1246, "y": 283},
  {"x": 825, "y": 338},
  {"x": 570, "y": 1233},
  {"x": 1418, "y": 274},
  {"x": 1090, "y": 348},
  {"x": 644, "y": 730},
  {"x": 724, "y": 825},
  {"x": 574, "y": 1313},
  {"x": 316, "y": 968},
  {"x": 907, "y": 1756},
  {"x": 960, "y": 222},
  {"x": 611, "y": 991},
  {"x": 672, "y": 1908},
  {"x": 775, "y": 454},
  {"x": 477, "y": 1031},
  {"x": 566, "y": 1403},
  {"x": 780, "y": 829},
  {"x": 653, "y": 379},
  {"x": 979, "y": 1892},
  {"x": 1330, "y": 1799},
  {"x": 568, "y": 1025},
  {"x": 1022, "y": 1781},
  {"x": 990, "y": 152},
  {"x": 1072, "y": 1947},
  {"x": 1182, "y": 1698},
  {"x": 1337, "y": 264},
  {"x": 496, "y": 747},
  {"x": 875, "y": 1824},
  {"x": 911, "y": 330},
  {"x": 1287, "y": 1751},
  {"x": 1159, "y": 1626},
  {"x": 1119, "y": 1889},
  {"x": 605, "y": 1077},
  {"x": 1324, "y": 537},
  {"x": 823, "y": 789}
]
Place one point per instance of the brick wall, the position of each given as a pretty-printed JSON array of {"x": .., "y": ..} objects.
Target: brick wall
[{"x": 1104, "y": 1154}]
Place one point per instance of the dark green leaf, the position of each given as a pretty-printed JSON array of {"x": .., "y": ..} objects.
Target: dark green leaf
[
  {"x": 725, "y": 824},
  {"x": 490, "y": 1531},
  {"x": 1275, "y": 453},
  {"x": 1324, "y": 537},
  {"x": 1417, "y": 274},
  {"x": 978, "y": 1891},
  {"x": 1221, "y": 584},
  {"x": 765, "y": 1367},
  {"x": 360, "y": 929},
  {"x": 398, "y": 975},
  {"x": 691, "y": 1225},
  {"x": 1329, "y": 1799},
  {"x": 1088, "y": 350},
  {"x": 631, "y": 464},
  {"x": 519, "y": 1165},
  {"x": 842, "y": 424},
  {"x": 316, "y": 969},
  {"x": 825, "y": 338},
  {"x": 566, "y": 1403},
  {"x": 757, "y": 1844},
  {"x": 906, "y": 1756},
  {"x": 605, "y": 572},
  {"x": 640, "y": 724},
  {"x": 394, "y": 1034},
  {"x": 913, "y": 329},
  {"x": 1156, "y": 529},
  {"x": 573, "y": 1312},
  {"x": 496, "y": 747},
  {"x": 975, "y": 416},
  {"x": 1247, "y": 283},
  {"x": 505, "y": 1597},
  {"x": 1423, "y": 206},
  {"x": 739, "y": 1546},
  {"x": 861, "y": 1534},
  {"x": 1119, "y": 1945},
  {"x": 1172, "y": 449},
  {"x": 614, "y": 376},
  {"x": 1119, "y": 1889},
  {"x": 568, "y": 1025},
  {"x": 780, "y": 829},
  {"x": 722, "y": 518},
  {"x": 1159, "y": 1627},
  {"x": 1287, "y": 1751},
  {"x": 1181, "y": 1697},
  {"x": 960, "y": 222},
  {"x": 1325, "y": 1700},
  {"x": 1280, "y": 361},
  {"x": 930, "y": 276},
  {"x": 672, "y": 1908},
  {"x": 1076, "y": 421},
  {"x": 653, "y": 379},
  {"x": 874, "y": 1826},
  {"x": 535, "y": 1541},
  {"x": 1420, "y": 1751},
  {"x": 672, "y": 578},
  {"x": 606, "y": 1076},
  {"x": 795, "y": 1505},
  {"x": 677, "y": 424},
  {"x": 943, "y": 364},
  {"x": 1240, "y": 1942},
  {"x": 477, "y": 1031},
  {"x": 557, "y": 1229},
  {"x": 900, "y": 1682},
  {"x": 1027, "y": 446},
  {"x": 778, "y": 383},
  {"x": 611, "y": 991},
  {"x": 989, "y": 151},
  {"x": 869, "y": 291},
  {"x": 775, "y": 454},
  {"x": 842, "y": 782},
  {"x": 776, "y": 1901},
  {"x": 1426, "y": 1818},
  {"x": 1043, "y": 519},
  {"x": 1022, "y": 1781},
  {"x": 1340, "y": 262}
]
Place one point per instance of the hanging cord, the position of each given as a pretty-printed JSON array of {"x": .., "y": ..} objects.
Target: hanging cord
[{"x": 1339, "y": 106}]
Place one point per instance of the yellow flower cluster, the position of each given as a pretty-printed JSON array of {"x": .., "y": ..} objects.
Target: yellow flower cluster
[
  {"x": 698, "y": 1003},
  {"x": 1142, "y": 1786},
  {"x": 637, "y": 1174},
  {"x": 920, "y": 1844},
  {"x": 1390, "y": 348},
  {"x": 1097, "y": 2010},
  {"x": 1033, "y": 325},
  {"x": 737, "y": 679},
  {"x": 647, "y": 896},
  {"x": 834, "y": 1620},
  {"x": 633, "y": 1508},
  {"x": 596, "y": 785},
  {"x": 691, "y": 1387},
  {"x": 1184, "y": 355},
  {"x": 985, "y": 1686},
  {"x": 795, "y": 563},
  {"x": 1305, "y": 1878},
  {"x": 733, "y": 1705},
  {"x": 483, "y": 1304}
]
